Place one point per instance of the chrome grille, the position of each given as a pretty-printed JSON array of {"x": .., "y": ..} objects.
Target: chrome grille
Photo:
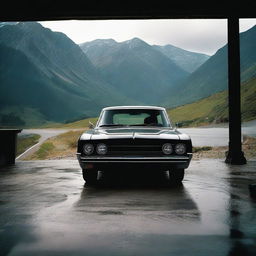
[{"x": 139, "y": 150}]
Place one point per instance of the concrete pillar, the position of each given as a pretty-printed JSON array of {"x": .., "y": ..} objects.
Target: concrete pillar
[
  {"x": 8, "y": 139},
  {"x": 235, "y": 154}
]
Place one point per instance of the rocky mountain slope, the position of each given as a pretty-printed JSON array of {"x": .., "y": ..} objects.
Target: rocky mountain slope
[
  {"x": 135, "y": 68},
  {"x": 212, "y": 76},
  {"x": 47, "y": 73}
]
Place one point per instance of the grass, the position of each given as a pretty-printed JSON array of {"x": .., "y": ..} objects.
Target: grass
[
  {"x": 205, "y": 111},
  {"x": 65, "y": 145},
  {"x": 201, "y": 149},
  {"x": 61, "y": 146},
  {"x": 81, "y": 124},
  {"x": 210, "y": 110},
  {"x": 214, "y": 109},
  {"x": 248, "y": 147},
  {"x": 26, "y": 141},
  {"x": 28, "y": 117},
  {"x": 44, "y": 150}
]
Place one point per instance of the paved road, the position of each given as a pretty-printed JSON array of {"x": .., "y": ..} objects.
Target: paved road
[
  {"x": 44, "y": 133},
  {"x": 216, "y": 136},
  {"x": 210, "y": 136},
  {"x": 47, "y": 210},
  {"x": 249, "y": 128},
  {"x": 213, "y": 137}
]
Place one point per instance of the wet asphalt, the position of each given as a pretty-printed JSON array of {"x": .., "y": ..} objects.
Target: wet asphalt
[{"x": 46, "y": 209}]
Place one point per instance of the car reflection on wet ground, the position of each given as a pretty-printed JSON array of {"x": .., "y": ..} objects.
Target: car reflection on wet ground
[{"x": 47, "y": 210}]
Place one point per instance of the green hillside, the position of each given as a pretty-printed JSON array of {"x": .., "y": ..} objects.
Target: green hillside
[
  {"x": 214, "y": 109},
  {"x": 84, "y": 123},
  {"x": 212, "y": 76},
  {"x": 46, "y": 77}
]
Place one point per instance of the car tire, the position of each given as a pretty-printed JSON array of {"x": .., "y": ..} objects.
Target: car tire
[
  {"x": 176, "y": 176},
  {"x": 90, "y": 176}
]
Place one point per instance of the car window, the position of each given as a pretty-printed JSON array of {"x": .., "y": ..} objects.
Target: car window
[
  {"x": 128, "y": 119},
  {"x": 159, "y": 119},
  {"x": 133, "y": 117}
]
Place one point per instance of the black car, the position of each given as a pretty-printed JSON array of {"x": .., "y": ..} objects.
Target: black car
[{"x": 134, "y": 136}]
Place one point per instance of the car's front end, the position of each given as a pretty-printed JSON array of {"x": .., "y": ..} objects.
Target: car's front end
[
  {"x": 139, "y": 149},
  {"x": 125, "y": 146}
]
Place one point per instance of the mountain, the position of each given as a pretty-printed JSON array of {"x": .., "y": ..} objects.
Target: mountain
[
  {"x": 134, "y": 68},
  {"x": 187, "y": 60},
  {"x": 214, "y": 109},
  {"x": 46, "y": 73},
  {"x": 46, "y": 77},
  {"x": 210, "y": 110},
  {"x": 8, "y": 23},
  {"x": 212, "y": 76}
]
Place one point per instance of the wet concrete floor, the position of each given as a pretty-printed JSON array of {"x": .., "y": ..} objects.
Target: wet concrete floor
[{"x": 45, "y": 209}]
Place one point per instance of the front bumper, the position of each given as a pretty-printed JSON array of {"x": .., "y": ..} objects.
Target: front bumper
[{"x": 105, "y": 162}]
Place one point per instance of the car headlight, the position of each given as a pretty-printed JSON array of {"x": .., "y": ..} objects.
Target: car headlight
[
  {"x": 102, "y": 149},
  {"x": 180, "y": 149},
  {"x": 88, "y": 149},
  {"x": 167, "y": 148}
]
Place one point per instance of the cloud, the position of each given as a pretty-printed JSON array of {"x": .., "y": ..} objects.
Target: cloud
[{"x": 199, "y": 35}]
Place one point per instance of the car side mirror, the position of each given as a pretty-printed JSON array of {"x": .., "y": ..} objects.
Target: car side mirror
[
  {"x": 91, "y": 125},
  {"x": 178, "y": 125}
]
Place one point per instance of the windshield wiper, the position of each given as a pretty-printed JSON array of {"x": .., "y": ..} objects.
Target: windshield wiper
[{"x": 105, "y": 125}]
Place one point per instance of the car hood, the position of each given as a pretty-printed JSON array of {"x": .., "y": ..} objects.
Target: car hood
[{"x": 133, "y": 133}]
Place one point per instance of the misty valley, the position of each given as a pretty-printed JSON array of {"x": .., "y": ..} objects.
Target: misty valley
[{"x": 48, "y": 79}]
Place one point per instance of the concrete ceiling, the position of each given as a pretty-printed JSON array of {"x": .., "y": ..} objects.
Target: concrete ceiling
[{"x": 95, "y": 9}]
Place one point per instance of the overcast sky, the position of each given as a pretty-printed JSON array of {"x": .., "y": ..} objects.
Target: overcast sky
[{"x": 199, "y": 35}]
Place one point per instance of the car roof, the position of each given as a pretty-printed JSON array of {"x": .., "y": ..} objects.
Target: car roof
[{"x": 133, "y": 107}]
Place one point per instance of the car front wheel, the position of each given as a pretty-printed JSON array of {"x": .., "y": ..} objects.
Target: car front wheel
[
  {"x": 90, "y": 176},
  {"x": 176, "y": 175}
]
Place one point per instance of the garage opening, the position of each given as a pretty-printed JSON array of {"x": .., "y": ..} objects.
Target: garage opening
[{"x": 64, "y": 72}]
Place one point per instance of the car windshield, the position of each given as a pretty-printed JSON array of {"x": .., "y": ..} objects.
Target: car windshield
[{"x": 134, "y": 117}]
